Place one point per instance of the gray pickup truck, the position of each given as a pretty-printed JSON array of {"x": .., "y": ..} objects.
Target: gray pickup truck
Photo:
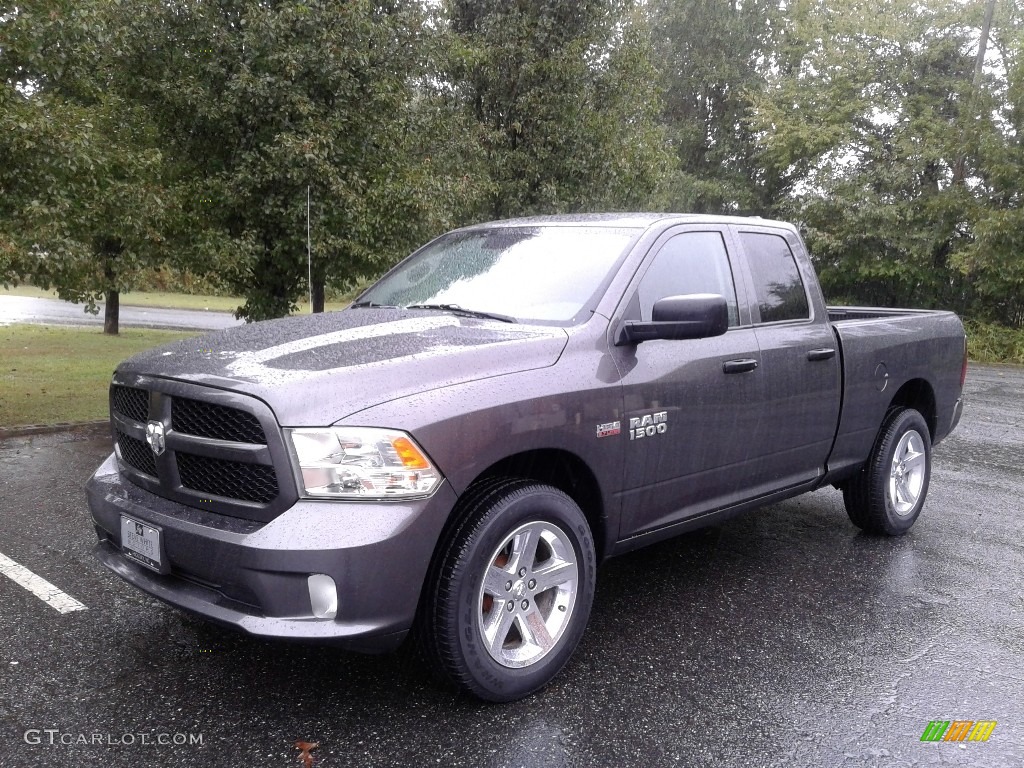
[{"x": 454, "y": 454}]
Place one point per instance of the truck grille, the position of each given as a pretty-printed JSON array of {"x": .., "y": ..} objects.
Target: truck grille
[
  {"x": 136, "y": 453},
  {"x": 233, "y": 479},
  {"x": 221, "y": 451},
  {"x": 132, "y": 402},
  {"x": 194, "y": 417}
]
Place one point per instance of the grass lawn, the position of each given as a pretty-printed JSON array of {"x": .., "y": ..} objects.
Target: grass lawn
[
  {"x": 51, "y": 374},
  {"x": 988, "y": 343},
  {"x": 165, "y": 300}
]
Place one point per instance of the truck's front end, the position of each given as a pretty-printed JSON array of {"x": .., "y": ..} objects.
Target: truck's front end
[{"x": 208, "y": 504}]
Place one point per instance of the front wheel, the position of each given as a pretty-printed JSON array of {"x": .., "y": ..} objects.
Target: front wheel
[
  {"x": 888, "y": 494},
  {"x": 513, "y": 590}
]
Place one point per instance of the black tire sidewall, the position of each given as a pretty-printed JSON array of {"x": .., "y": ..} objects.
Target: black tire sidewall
[
  {"x": 488, "y": 678},
  {"x": 888, "y": 518}
]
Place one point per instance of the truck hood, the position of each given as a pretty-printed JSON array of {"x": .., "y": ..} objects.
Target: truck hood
[{"x": 317, "y": 369}]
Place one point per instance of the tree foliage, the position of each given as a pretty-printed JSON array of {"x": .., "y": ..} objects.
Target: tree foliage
[
  {"x": 711, "y": 56},
  {"x": 993, "y": 258},
  {"x": 897, "y": 158},
  {"x": 84, "y": 203},
  {"x": 266, "y": 101},
  {"x": 188, "y": 133},
  {"x": 557, "y": 101}
]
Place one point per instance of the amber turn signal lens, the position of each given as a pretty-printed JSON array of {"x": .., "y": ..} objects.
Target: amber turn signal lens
[{"x": 411, "y": 458}]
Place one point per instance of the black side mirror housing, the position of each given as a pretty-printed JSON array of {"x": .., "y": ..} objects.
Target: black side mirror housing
[{"x": 693, "y": 316}]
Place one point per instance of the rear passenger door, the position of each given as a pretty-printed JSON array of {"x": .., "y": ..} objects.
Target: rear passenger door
[{"x": 799, "y": 357}]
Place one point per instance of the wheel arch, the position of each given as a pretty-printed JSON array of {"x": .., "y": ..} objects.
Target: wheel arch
[
  {"x": 557, "y": 467},
  {"x": 919, "y": 395},
  {"x": 565, "y": 471}
]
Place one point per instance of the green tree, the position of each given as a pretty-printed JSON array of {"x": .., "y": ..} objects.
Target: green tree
[
  {"x": 556, "y": 102},
  {"x": 264, "y": 101},
  {"x": 711, "y": 57},
  {"x": 993, "y": 259},
  {"x": 885, "y": 142},
  {"x": 82, "y": 179}
]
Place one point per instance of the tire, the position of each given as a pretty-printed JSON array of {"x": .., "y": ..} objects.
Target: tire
[
  {"x": 887, "y": 495},
  {"x": 511, "y": 592}
]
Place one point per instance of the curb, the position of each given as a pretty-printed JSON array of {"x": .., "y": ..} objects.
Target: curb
[{"x": 46, "y": 429}]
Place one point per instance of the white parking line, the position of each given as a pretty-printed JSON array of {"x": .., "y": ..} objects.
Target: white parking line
[{"x": 39, "y": 586}]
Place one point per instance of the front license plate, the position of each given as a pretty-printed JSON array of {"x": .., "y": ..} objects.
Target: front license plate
[{"x": 141, "y": 542}]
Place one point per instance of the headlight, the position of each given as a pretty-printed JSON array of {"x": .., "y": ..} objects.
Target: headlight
[{"x": 360, "y": 462}]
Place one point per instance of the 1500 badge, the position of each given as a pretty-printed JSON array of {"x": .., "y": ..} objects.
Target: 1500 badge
[{"x": 648, "y": 425}]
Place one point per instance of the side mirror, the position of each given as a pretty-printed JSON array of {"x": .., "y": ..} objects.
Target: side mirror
[{"x": 694, "y": 316}]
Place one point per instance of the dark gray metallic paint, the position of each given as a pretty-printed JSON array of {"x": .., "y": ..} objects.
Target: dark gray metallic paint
[
  {"x": 916, "y": 346},
  {"x": 475, "y": 392},
  {"x": 315, "y": 369},
  {"x": 254, "y": 578}
]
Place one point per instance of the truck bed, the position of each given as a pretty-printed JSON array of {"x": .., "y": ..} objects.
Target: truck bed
[
  {"x": 887, "y": 353},
  {"x": 838, "y": 314}
]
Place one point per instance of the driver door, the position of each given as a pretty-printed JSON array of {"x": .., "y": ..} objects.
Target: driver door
[{"x": 693, "y": 407}]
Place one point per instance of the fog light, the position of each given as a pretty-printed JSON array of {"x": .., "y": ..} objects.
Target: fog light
[{"x": 323, "y": 596}]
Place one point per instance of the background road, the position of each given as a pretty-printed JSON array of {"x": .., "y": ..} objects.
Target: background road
[
  {"x": 784, "y": 637},
  {"x": 21, "y": 309}
]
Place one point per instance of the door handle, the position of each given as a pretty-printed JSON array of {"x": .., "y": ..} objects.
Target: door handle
[
  {"x": 821, "y": 354},
  {"x": 739, "y": 366}
]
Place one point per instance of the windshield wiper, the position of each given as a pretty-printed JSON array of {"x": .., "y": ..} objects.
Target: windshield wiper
[
  {"x": 371, "y": 305},
  {"x": 466, "y": 312}
]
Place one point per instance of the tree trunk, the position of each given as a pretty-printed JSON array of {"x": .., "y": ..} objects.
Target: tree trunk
[
  {"x": 960, "y": 164},
  {"x": 110, "y": 312},
  {"x": 986, "y": 28},
  {"x": 318, "y": 296}
]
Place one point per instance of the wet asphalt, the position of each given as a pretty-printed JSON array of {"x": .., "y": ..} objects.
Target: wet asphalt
[
  {"x": 782, "y": 638},
  {"x": 23, "y": 309}
]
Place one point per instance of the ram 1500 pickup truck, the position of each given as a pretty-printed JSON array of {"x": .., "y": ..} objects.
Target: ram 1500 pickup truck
[{"x": 454, "y": 454}]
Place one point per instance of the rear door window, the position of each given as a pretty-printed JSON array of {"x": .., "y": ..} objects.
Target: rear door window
[{"x": 778, "y": 289}]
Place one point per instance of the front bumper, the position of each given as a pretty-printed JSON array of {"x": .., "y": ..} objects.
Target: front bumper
[{"x": 253, "y": 576}]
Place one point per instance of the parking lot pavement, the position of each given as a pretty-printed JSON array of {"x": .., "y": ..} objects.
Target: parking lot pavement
[
  {"x": 784, "y": 637},
  {"x": 22, "y": 309}
]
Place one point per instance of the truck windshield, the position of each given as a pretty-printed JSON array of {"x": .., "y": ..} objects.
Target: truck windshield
[{"x": 546, "y": 274}]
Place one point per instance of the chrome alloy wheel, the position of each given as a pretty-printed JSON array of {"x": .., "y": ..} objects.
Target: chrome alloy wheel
[
  {"x": 528, "y": 594},
  {"x": 907, "y": 475}
]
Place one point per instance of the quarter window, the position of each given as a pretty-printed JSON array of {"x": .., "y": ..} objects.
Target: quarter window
[
  {"x": 692, "y": 262},
  {"x": 778, "y": 289}
]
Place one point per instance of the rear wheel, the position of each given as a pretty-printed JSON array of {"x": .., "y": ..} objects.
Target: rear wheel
[
  {"x": 513, "y": 590},
  {"x": 888, "y": 494}
]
